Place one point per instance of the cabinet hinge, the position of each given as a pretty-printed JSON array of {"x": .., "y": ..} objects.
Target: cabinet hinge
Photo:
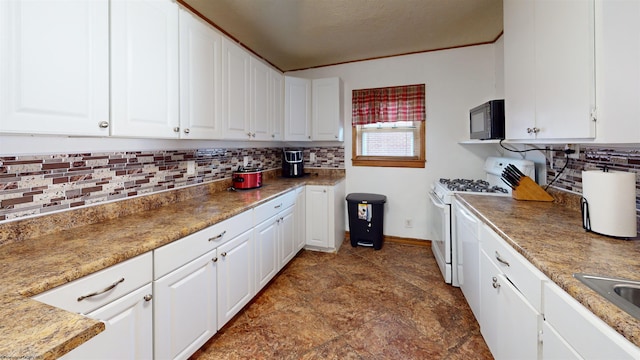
[{"x": 594, "y": 114}]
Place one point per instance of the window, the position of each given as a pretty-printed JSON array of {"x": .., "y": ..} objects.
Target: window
[{"x": 388, "y": 126}]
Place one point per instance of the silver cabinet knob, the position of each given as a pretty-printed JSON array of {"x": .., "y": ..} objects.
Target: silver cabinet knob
[
  {"x": 495, "y": 284},
  {"x": 176, "y": 129},
  {"x": 224, "y": 254},
  {"x": 215, "y": 259},
  {"x": 186, "y": 131},
  {"x": 148, "y": 297},
  {"x": 103, "y": 124}
]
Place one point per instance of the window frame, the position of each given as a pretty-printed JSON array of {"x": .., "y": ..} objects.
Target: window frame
[{"x": 389, "y": 161}]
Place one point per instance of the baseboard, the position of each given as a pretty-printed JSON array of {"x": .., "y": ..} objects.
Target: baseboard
[{"x": 397, "y": 239}]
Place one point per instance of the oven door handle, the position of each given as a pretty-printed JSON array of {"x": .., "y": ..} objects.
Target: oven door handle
[{"x": 437, "y": 202}]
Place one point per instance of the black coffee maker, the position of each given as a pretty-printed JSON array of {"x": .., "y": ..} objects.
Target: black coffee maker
[{"x": 292, "y": 163}]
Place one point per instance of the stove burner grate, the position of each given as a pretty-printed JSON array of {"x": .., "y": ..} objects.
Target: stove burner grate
[{"x": 471, "y": 186}]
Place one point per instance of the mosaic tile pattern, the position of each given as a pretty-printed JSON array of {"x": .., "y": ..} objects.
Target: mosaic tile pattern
[
  {"x": 32, "y": 185},
  {"x": 592, "y": 158}
]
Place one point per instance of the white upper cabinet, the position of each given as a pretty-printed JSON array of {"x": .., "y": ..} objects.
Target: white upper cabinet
[
  {"x": 235, "y": 94},
  {"x": 297, "y": 109},
  {"x": 276, "y": 120},
  {"x": 260, "y": 100},
  {"x": 326, "y": 104},
  {"x": 54, "y": 67},
  {"x": 144, "y": 68},
  {"x": 618, "y": 73},
  {"x": 200, "y": 79},
  {"x": 549, "y": 50}
]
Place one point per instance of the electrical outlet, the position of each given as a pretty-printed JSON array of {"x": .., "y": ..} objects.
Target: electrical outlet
[
  {"x": 312, "y": 157},
  {"x": 575, "y": 148},
  {"x": 408, "y": 223},
  {"x": 245, "y": 161},
  {"x": 191, "y": 167}
]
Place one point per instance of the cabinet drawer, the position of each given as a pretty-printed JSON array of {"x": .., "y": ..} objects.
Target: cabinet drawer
[
  {"x": 591, "y": 337},
  {"x": 524, "y": 276},
  {"x": 109, "y": 284},
  {"x": 171, "y": 256},
  {"x": 272, "y": 207}
]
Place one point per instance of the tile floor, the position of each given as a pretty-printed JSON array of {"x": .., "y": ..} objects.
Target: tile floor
[{"x": 356, "y": 304}]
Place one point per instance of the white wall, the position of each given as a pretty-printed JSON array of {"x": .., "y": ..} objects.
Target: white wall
[{"x": 456, "y": 80}]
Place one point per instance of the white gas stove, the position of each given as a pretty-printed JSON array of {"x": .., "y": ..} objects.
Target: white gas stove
[{"x": 442, "y": 195}]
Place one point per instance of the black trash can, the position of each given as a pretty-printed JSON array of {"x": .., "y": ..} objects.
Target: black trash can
[{"x": 366, "y": 214}]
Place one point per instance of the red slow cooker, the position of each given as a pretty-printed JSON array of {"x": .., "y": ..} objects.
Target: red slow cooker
[{"x": 247, "y": 178}]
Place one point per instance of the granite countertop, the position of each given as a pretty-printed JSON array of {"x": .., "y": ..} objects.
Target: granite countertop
[
  {"x": 30, "y": 329},
  {"x": 551, "y": 237}
]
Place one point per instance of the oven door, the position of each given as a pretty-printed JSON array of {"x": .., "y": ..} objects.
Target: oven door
[{"x": 440, "y": 225}]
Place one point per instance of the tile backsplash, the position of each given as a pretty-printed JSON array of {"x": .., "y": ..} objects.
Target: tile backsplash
[
  {"x": 38, "y": 184},
  {"x": 591, "y": 158}
]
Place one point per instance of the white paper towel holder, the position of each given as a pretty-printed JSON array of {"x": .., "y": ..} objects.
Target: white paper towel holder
[{"x": 586, "y": 219}]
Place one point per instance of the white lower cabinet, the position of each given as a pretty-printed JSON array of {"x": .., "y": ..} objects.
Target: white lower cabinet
[
  {"x": 287, "y": 236},
  {"x": 509, "y": 324},
  {"x": 572, "y": 331},
  {"x": 266, "y": 245},
  {"x": 185, "y": 308},
  {"x": 121, "y": 297},
  {"x": 510, "y": 300},
  {"x": 274, "y": 237},
  {"x": 325, "y": 216},
  {"x": 300, "y": 210},
  {"x": 468, "y": 252},
  {"x": 236, "y": 284},
  {"x": 128, "y": 333},
  {"x": 197, "y": 284}
]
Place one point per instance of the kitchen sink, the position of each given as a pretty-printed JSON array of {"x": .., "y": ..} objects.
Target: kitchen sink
[{"x": 623, "y": 293}]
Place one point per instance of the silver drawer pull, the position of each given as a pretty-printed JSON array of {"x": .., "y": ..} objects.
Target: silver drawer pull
[
  {"x": 500, "y": 259},
  {"x": 277, "y": 206},
  {"x": 101, "y": 291},
  {"x": 218, "y": 236}
]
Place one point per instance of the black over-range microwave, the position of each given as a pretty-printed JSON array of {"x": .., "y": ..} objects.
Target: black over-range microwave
[{"x": 487, "y": 120}]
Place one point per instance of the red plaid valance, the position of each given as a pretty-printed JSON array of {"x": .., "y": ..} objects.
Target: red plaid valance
[{"x": 389, "y": 104}]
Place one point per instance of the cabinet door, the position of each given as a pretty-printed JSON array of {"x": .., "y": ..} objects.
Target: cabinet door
[
  {"x": 297, "y": 109},
  {"x": 317, "y": 204},
  {"x": 236, "y": 286},
  {"x": 129, "y": 329},
  {"x": 144, "y": 68},
  {"x": 549, "y": 51},
  {"x": 519, "y": 77},
  {"x": 276, "y": 120},
  {"x": 235, "y": 95},
  {"x": 468, "y": 246},
  {"x": 287, "y": 236},
  {"x": 326, "y": 121},
  {"x": 489, "y": 303},
  {"x": 54, "y": 66},
  {"x": 266, "y": 245},
  {"x": 185, "y": 308},
  {"x": 618, "y": 73},
  {"x": 300, "y": 218},
  {"x": 565, "y": 69},
  {"x": 200, "y": 79},
  {"x": 260, "y": 96},
  {"x": 519, "y": 324},
  {"x": 555, "y": 347},
  {"x": 508, "y": 323}
]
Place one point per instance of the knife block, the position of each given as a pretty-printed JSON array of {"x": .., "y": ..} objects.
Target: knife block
[{"x": 527, "y": 189}]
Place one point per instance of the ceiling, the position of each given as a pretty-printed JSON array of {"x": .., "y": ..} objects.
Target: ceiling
[{"x": 301, "y": 34}]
